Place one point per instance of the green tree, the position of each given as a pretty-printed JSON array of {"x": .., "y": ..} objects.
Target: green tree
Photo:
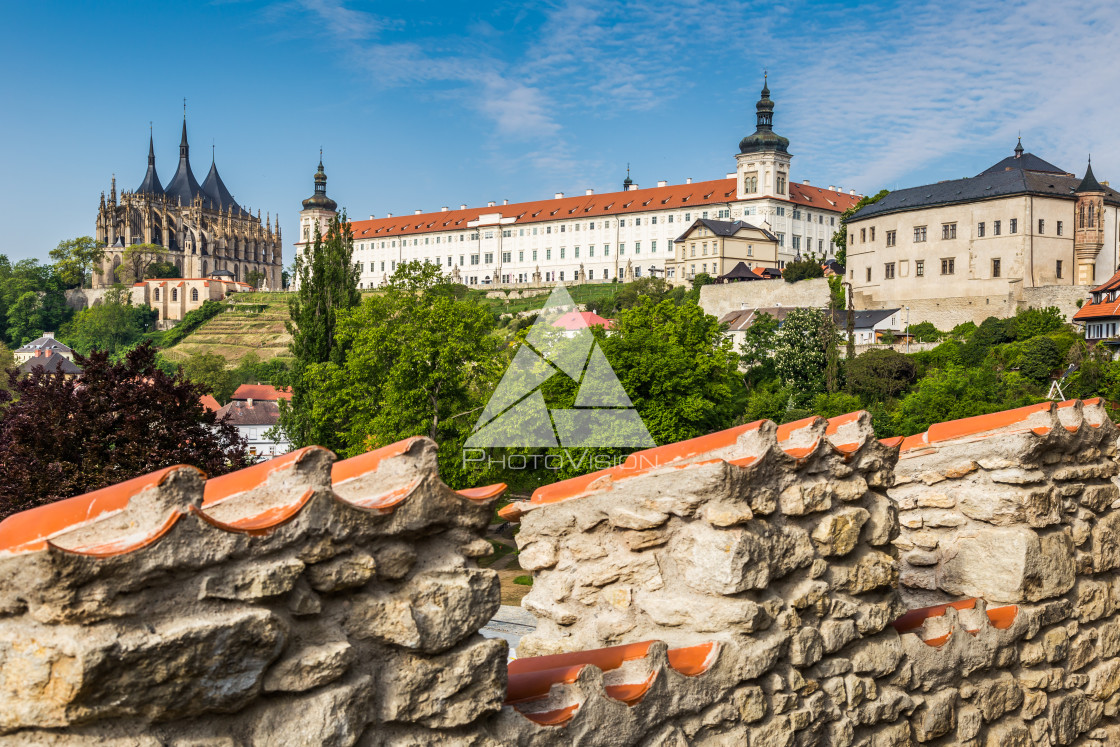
[
  {"x": 418, "y": 361},
  {"x": 677, "y": 366},
  {"x": 136, "y": 260},
  {"x": 209, "y": 370},
  {"x": 800, "y": 350},
  {"x": 328, "y": 284},
  {"x": 991, "y": 332},
  {"x": 1040, "y": 356},
  {"x": 1033, "y": 322},
  {"x": 955, "y": 392},
  {"x": 255, "y": 278},
  {"x": 75, "y": 259},
  {"x": 757, "y": 349},
  {"x": 880, "y": 374},
  {"x": 840, "y": 238},
  {"x": 113, "y": 326},
  {"x": 925, "y": 332},
  {"x": 802, "y": 269},
  {"x": 162, "y": 269}
]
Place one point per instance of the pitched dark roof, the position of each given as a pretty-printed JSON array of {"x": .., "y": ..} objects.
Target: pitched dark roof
[
  {"x": 183, "y": 186},
  {"x": 51, "y": 363},
  {"x": 724, "y": 228},
  {"x": 1016, "y": 179},
  {"x": 1089, "y": 182},
  {"x": 261, "y": 412},
  {"x": 865, "y": 319},
  {"x": 44, "y": 343},
  {"x": 151, "y": 184},
  {"x": 216, "y": 190},
  {"x": 740, "y": 272}
]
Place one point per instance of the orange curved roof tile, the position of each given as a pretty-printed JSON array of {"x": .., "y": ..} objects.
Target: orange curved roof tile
[
  {"x": 558, "y": 717},
  {"x": 605, "y": 659},
  {"x": 694, "y": 660},
  {"x": 262, "y": 522},
  {"x": 382, "y": 502},
  {"x": 913, "y": 619},
  {"x": 484, "y": 492},
  {"x": 363, "y": 464},
  {"x": 536, "y": 683},
  {"x": 234, "y": 483},
  {"x": 122, "y": 546},
  {"x": 631, "y": 693},
  {"x": 29, "y": 530}
]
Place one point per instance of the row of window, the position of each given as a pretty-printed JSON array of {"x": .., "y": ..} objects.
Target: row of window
[
  {"x": 948, "y": 267},
  {"x": 949, "y": 231},
  {"x": 175, "y": 294}
]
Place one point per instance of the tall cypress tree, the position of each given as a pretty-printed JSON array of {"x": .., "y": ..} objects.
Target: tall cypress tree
[{"x": 328, "y": 283}]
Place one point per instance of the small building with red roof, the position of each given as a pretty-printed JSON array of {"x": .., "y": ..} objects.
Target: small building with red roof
[
  {"x": 577, "y": 320},
  {"x": 1100, "y": 314},
  {"x": 261, "y": 392},
  {"x": 174, "y": 298}
]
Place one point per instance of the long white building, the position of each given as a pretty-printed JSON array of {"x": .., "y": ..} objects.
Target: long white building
[{"x": 600, "y": 237}]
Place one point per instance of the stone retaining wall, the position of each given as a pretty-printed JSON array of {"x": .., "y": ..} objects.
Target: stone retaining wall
[{"x": 744, "y": 584}]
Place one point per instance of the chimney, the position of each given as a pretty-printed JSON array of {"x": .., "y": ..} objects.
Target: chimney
[
  {"x": 463, "y": 207},
  {"x": 559, "y": 195},
  {"x": 663, "y": 183},
  {"x": 633, "y": 187},
  {"x": 831, "y": 188},
  {"x": 589, "y": 191},
  {"x": 732, "y": 176},
  {"x": 417, "y": 212},
  {"x": 805, "y": 182},
  {"x": 688, "y": 180},
  {"x": 505, "y": 202},
  {"x": 490, "y": 204},
  {"x": 851, "y": 191},
  {"x": 443, "y": 209},
  {"x": 50, "y": 335},
  {"x": 371, "y": 216},
  {"x": 389, "y": 215},
  {"x": 250, "y": 400}
]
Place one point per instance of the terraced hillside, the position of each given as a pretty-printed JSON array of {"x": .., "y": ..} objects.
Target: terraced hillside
[{"x": 253, "y": 322}]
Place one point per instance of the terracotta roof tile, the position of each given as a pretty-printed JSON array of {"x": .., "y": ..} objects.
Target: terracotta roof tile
[
  {"x": 262, "y": 392},
  {"x": 30, "y": 530},
  {"x": 697, "y": 194}
]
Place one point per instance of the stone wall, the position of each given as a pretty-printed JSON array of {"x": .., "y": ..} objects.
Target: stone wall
[
  {"x": 744, "y": 584},
  {"x": 263, "y": 607},
  {"x": 720, "y": 298},
  {"x": 946, "y": 313}
]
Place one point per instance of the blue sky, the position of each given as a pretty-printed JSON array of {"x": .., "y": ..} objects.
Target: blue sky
[{"x": 423, "y": 104}]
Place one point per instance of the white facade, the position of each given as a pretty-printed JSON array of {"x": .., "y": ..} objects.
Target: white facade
[{"x": 598, "y": 238}]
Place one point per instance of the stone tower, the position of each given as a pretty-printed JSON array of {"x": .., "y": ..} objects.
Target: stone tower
[
  {"x": 318, "y": 210},
  {"x": 763, "y": 159},
  {"x": 1088, "y": 236}
]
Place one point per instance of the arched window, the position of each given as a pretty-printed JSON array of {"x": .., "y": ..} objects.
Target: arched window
[
  {"x": 157, "y": 294},
  {"x": 174, "y": 294},
  {"x": 1091, "y": 215},
  {"x": 194, "y": 294}
]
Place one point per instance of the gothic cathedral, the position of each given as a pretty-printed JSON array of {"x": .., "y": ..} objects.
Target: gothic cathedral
[{"x": 205, "y": 232}]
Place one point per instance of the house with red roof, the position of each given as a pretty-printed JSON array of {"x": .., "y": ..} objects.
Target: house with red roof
[
  {"x": 596, "y": 238},
  {"x": 1100, "y": 315},
  {"x": 174, "y": 298},
  {"x": 577, "y": 320}
]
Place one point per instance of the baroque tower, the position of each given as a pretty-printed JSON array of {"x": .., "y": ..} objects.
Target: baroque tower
[
  {"x": 318, "y": 210},
  {"x": 763, "y": 159},
  {"x": 1088, "y": 235}
]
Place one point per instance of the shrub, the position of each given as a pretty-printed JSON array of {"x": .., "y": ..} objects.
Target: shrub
[
  {"x": 925, "y": 332},
  {"x": 880, "y": 374},
  {"x": 802, "y": 270},
  {"x": 1039, "y": 358}
]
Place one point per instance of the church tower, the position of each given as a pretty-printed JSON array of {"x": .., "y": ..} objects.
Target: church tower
[
  {"x": 1088, "y": 234},
  {"x": 763, "y": 160},
  {"x": 318, "y": 209}
]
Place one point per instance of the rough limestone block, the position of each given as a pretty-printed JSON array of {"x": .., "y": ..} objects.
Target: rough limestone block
[{"x": 1008, "y": 564}]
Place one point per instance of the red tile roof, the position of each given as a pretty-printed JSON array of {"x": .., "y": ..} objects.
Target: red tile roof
[
  {"x": 210, "y": 403},
  {"x": 261, "y": 391},
  {"x": 1105, "y": 308},
  {"x": 672, "y": 197},
  {"x": 574, "y": 320}
]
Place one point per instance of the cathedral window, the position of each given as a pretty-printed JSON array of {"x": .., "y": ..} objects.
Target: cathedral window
[
  {"x": 157, "y": 294},
  {"x": 174, "y": 294},
  {"x": 194, "y": 294}
]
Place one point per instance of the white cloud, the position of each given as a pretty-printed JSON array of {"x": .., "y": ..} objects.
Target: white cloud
[{"x": 870, "y": 95}]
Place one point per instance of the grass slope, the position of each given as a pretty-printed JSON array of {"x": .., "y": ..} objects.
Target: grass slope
[{"x": 253, "y": 322}]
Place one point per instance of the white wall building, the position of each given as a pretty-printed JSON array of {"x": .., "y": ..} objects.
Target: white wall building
[{"x": 597, "y": 238}]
